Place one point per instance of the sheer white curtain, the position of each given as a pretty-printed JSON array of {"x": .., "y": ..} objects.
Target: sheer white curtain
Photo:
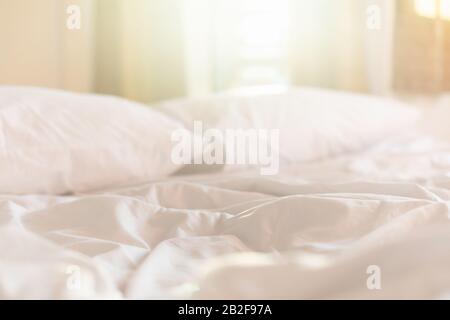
[
  {"x": 235, "y": 43},
  {"x": 157, "y": 49},
  {"x": 140, "y": 49},
  {"x": 324, "y": 43},
  {"x": 150, "y": 50},
  {"x": 328, "y": 43}
]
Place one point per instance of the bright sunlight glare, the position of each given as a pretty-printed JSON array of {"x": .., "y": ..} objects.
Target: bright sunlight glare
[{"x": 433, "y": 8}]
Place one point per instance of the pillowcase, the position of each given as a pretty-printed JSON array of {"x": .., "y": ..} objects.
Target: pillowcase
[
  {"x": 58, "y": 142},
  {"x": 313, "y": 123}
]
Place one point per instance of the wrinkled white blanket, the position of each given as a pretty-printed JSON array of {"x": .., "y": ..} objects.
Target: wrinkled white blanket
[{"x": 319, "y": 230}]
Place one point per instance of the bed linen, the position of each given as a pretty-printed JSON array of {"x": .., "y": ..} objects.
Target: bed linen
[
  {"x": 312, "y": 123},
  {"x": 59, "y": 142},
  {"x": 313, "y": 231}
]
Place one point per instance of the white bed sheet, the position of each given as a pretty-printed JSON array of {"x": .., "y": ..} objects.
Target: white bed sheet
[{"x": 311, "y": 232}]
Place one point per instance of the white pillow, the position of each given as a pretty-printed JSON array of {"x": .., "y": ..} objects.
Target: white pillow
[
  {"x": 313, "y": 123},
  {"x": 58, "y": 142}
]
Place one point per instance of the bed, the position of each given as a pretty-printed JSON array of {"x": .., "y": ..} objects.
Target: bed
[{"x": 366, "y": 222}]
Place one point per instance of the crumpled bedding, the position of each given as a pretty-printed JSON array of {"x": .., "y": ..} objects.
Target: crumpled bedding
[{"x": 315, "y": 231}]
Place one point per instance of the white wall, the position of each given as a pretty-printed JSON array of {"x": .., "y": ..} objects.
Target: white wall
[
  {"x": 36, "y": 48},
  {"x": 140, "y": 49},
  {"x": 379, "y": 49},
  {"x": 328, "y": 44}
]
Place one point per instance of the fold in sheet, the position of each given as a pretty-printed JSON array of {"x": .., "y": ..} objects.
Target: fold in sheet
[{"x": 312, "y": 232}]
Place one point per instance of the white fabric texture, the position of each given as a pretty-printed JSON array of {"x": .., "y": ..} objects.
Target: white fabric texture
[
  {"x": 57, "y": 142},
  {"x": 311, "y": 232},
  {"x": 313, "y": 123}
]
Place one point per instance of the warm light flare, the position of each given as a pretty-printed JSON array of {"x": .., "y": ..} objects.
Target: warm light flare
[
  {"x": 445, "y": 9},
  {"x": 433, "y": 8}
]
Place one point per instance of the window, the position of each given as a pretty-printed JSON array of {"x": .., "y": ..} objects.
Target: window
[
  {"x": 433, "y": 8},
  {"x": 236, "y": 43},
  {"x": 262, "y": 42}
]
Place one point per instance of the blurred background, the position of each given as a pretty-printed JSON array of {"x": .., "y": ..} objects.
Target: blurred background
[{"x": 150, "y": 50}]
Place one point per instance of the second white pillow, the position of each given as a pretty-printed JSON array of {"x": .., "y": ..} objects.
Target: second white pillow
[{"x": 313, "y": 123}]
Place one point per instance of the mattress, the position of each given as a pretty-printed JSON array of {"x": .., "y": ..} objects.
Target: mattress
[{"x": 366, "y": 225}]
